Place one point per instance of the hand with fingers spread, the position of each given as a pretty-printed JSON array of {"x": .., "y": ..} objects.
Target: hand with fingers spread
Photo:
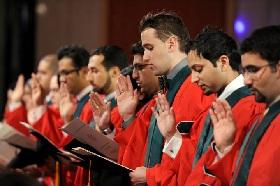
[
  {"x": 66, "y": 105},
  {"x": 165, "y": 117},
  {"x": 102, "y": 111},
  {"x": 127, "y": 98},
  {"x": 17, "y": 94},
  {"x": 138, "y": 176},
  {"x": 223, "y": 124},
  {"x": 38, "y": 96}
]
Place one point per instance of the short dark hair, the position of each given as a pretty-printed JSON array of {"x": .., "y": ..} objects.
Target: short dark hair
[
  {"x": 166, "y": 23},
  {"x": 137, "y": 48},
  {"x": 212, "y": 43},
  {"x": 114, "y": 56},
  {"x": 77, "y": 53},
  {"x": 264, "y": 41}
]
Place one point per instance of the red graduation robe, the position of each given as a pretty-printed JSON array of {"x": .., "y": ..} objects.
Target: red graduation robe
[
  {"x": 188, "y": 103},
  {"x": 14, "y": 117},
  {"x": 132, "y": 140},
  {"x": 245, "y": 113},
  {"x": 49, "y": 125},
  {"x": 81, "y": 177},
  {"x": 86, "y": 116}
]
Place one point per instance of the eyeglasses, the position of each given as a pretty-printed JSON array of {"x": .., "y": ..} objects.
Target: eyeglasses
[
  {"x": 253, "y": 70},
  {"x": 67, "y": 72},
  {"x": 139, "y": 66}
]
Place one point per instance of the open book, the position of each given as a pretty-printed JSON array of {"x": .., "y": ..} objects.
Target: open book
[
  {"x": 14, "y": 137},
  {"x": 83, "y": 133},
  {"x": 96, "y": 157},
  {"x": 50, "y": 146}
]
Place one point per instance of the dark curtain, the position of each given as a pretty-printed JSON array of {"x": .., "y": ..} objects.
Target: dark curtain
[{"x": 17, "y": 43}]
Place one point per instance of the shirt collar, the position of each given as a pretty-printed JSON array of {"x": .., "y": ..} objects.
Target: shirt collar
[
  {"x": 182, "y": 64},
  {"x": 110, "y": 97},
  {"x": 84, "y": 92},
  {"x": 237, "y": 83}
]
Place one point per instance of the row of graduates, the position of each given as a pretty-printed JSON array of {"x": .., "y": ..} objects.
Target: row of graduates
[{"x": 235, "y": 115}]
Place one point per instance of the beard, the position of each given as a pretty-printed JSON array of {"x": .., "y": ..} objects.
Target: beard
[
  {"x": 105, "y": 87},
  {"x": 207, "y": 91},
  {"x": 259, "y": 97}
]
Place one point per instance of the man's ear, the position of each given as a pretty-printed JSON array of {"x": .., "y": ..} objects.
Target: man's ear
[
  {"x": 224, "y": 63},
  {"x": 172, "y": 43},
  {"x": 114, "y": 72}
]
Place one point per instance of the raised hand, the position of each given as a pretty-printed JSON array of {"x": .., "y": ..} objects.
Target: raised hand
[
  {"x": 165, "y": 116},
  {"x": 66, "y": 105},
  {"x": 127, "y": 98},
  {"x": 102, "y": 111},
  {"x": 223, "y": 124},
  {"x": 38, "y": 96},
  {"x": 17, "y": 94}
]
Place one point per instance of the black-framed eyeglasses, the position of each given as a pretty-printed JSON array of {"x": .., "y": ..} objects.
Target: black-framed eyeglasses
[
  {"x": 251, "y": 69},
  {"x": 67, "y": 72},
  {"x": 139, "y": 66}
]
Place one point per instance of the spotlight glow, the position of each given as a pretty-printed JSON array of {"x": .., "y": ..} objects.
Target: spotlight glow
[{"x": 239, "y": 27}]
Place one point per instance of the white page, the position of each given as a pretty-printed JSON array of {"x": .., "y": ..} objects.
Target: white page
[
  {"x": 12, "y": 136},
  {"x": 82, "y": 132}
]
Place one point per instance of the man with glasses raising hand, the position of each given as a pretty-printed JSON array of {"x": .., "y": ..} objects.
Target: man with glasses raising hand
[
  {"x": 72, "y": 66},
  {"x": 252, "y": 160}
]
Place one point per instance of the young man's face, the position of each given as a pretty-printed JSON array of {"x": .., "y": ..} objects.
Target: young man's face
[
  {"x": 44, "y": 74},
  {"x": 259, "y": 77},
  {"x": 155, "y": 52},
  {"x": 97, "y": 75},
  {"x": 144, "y": 76},
  {"x": 69, "y": 74},
  {"x": 204, "y": 74},
  {"x": 54, "y": 91}
]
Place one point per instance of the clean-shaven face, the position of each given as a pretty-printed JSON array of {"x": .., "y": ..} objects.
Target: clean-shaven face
[{"x": 155, "y": 51}]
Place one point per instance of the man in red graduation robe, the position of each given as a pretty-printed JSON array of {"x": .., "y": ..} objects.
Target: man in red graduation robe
[
  {"x": 165, "y": 51},
  {"x": 104, "y": 67},
  {"x": 19, "y": 101},
  {"x": 215, "y": 72},
  {"x": 131, "y": 133},
  {"x": 249, "y": 160}
]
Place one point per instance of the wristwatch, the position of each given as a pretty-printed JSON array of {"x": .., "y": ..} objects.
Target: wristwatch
[{"x": 108, "y": 130}]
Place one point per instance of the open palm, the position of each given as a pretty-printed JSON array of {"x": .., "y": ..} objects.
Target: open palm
[
  {"x": 102, "y": 111},
  {"x": 66, "y": 106},
  {"x": 165, "y": 116},
  {"x": 16, "y": 94},
  {"x": 223, "y": 124},
  {"x": 127, "y": 98}
]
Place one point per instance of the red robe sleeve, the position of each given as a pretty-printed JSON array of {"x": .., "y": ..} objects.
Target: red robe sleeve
[
  {"x": 49, "y": 125},
  {"x": 14, "y": 118},
  {"x": 86, "y": 116},
  {"x": 188, "y": 104},
  {"x": 132, "y": 140},
  {"x": 245, "y": 113}
]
